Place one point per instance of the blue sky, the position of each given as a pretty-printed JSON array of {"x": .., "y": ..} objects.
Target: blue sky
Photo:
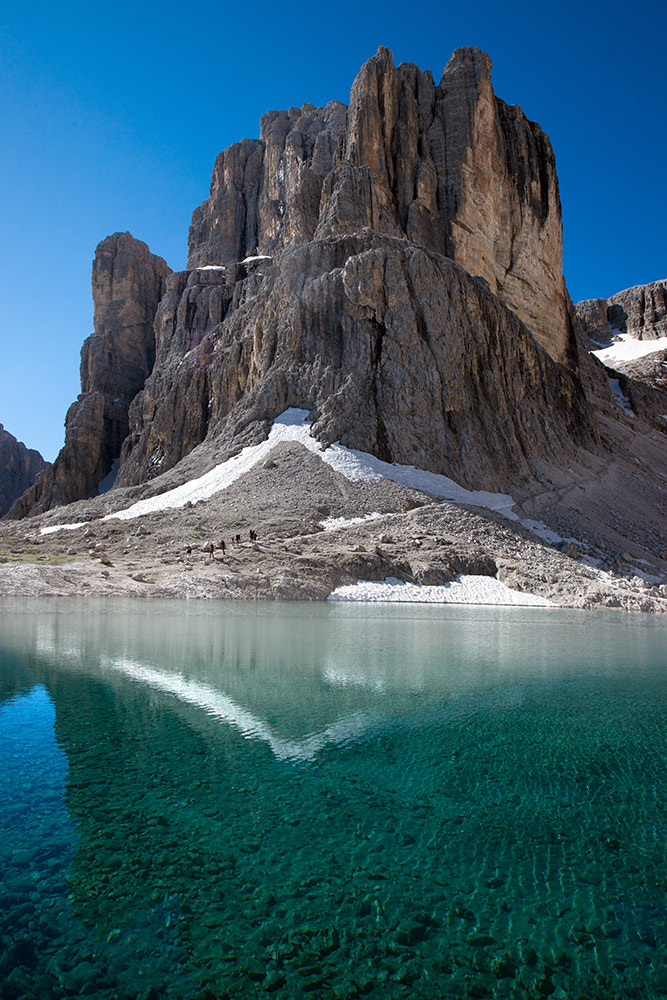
[{"x": 112, "y": 115}]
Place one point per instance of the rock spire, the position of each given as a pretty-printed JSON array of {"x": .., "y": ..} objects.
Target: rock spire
[{"x": 128, "y": 283}]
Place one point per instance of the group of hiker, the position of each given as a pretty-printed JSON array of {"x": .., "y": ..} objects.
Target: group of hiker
[{"x": 210, "y": 547}]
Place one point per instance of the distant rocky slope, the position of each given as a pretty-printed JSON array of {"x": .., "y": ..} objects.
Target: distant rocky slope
[
  {"x": 19, "y": 467},
  {"x": 640, "y": 311}
]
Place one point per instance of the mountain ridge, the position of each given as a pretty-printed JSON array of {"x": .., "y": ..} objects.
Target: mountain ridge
[{"x": 395, "y": 268}]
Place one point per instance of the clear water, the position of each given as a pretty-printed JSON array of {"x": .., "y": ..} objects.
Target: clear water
[{"x": 218, "y": 800}]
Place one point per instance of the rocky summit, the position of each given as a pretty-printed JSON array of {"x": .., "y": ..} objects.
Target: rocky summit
[{"x": 394, "y": 268}]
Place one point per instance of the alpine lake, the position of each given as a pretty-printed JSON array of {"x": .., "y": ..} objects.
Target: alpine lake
[{"x": 247, "y": 800}]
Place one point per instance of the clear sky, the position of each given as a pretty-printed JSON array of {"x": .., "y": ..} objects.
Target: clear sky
[{"x": 112, "y": 114}]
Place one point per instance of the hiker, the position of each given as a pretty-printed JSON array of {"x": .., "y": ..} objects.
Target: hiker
[
  {"x": 210, "y": 548},
  {"x": 222, "y": 545},
  {"x": 238, "y": 539},
  {"x": 188, "y": 549}
]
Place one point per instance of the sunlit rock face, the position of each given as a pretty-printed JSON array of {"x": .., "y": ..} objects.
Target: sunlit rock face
[
  {"x": 449, "y": 167},
  {"x": 128, "y": 282}
]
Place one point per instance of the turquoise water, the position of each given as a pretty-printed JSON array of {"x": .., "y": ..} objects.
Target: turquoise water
[{"x": 210, "y": 800}]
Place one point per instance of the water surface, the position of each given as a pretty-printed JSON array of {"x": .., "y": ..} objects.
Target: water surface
[{"x": 254, "y": 800}]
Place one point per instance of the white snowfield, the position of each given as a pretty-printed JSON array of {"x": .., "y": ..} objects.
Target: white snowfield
[
  {"x": 628, "y": 348},
  {"x": 464, "y": 590}
]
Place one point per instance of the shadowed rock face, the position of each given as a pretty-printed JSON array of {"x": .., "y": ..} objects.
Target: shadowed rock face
[
  {"x": 19, "y": 467},
  {"x": 450, "y": 167},
  {"x": 128, "y": 282}
]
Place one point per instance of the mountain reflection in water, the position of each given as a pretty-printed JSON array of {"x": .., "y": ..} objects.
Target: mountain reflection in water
[{"x": 279, "y": 798}]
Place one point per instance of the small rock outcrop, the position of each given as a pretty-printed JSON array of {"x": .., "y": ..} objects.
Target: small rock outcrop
[
  {"x": 19, "y": 467},
  {"x": 128, "y": 283}
]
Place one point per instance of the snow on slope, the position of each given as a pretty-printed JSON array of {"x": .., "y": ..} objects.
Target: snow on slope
[
  {"x": 628, "y": 348},
  {"x": 357, "y": 466}
]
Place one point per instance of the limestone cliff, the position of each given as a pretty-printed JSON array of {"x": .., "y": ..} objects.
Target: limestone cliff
[
  {"x": 19, "y": 467},
  {"x": 128, "y": 283},
  {"x": 395, "y": 349},
  {"x": 449, "y": 167},
  {"x": 320, "y": 274}
]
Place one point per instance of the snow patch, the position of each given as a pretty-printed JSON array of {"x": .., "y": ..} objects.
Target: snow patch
[
  {"x": 62, "y": 527},
  {"x": 261, "y": 256},
  {"x": 620, "y": 397},
  {"x": 541, "y": 530},
  {"x": 333, "y": 523},
  {"x": 625, "y": 348},
  {"x": 466, "y": 589}
]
